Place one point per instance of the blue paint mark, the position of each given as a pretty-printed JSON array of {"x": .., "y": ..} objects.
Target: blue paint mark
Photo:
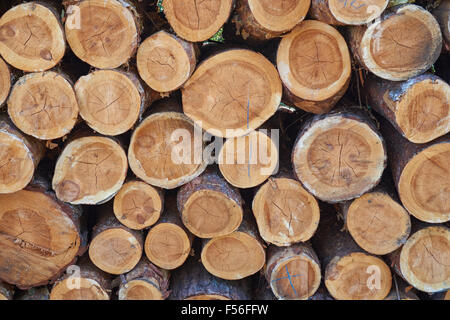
[{"x": 289, "y": 276}]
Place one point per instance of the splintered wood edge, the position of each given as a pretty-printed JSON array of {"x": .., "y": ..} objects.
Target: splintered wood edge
[
  {"x": 360, "y": 220},
  {"x": 192, "y": 34},
  {"x": 47, "y": 58},
  {"x": 139, "y": 211},
  {"x": 88, "y": 289},
  {"x": 284, "y": 63},
  {"x": 427, "y": 171},
  {"x": 84, "y": 88},
  {"x": 251, "y": 261},
  {"x": 347, "y": 270},
  {"x": 232, "y": 212},
  {"x": 266, "y": 196},
  {"x": 161, "y": 51},
  {"x": 5, "y": 81},
  {"x": 139, "y": 289},
  {"x": 362, "y": 14},
  {"x": 111, "y": 59},
  {"x": 238, "y": 174},
  {"x": 255, "y": 60},
  {"x": 283, "y": 21},
  {"x": 417, "y": 250},
  {"x": 67, "y": 190},
  {"x": 164, "y": 230}
]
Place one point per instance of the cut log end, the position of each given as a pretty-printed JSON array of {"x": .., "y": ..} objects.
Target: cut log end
[
  {"x": 302, "y": 58},
  {"x": 78, "y": 288},
  {"x": 285, "y": 212},
  {"x": 115, "y": 250},
  {"x": 248, "y": 161},
  {"x": 236, "y": 89},
  {"x": 424, "y": 259},
  {"x": 234, "y": 256},
  {"x": 356, "y": 13},
  {"x": 110, "y": 102},
  {"x": 197, "y": 21},
  {"x": 31, "y": 37},
  {"x": 377, "y": 223},
  {"x": 165, "y": 62},
  {"x": 167, "y": 245},
  {"x": 424, "y": 184},
  {"x": 5, "y": 80},
  {"x": 358, "y": 276},
  {"x": 43, "y": 105},
  {"x": 138, "y": 205},
  {"x": 139, "y": 290}
]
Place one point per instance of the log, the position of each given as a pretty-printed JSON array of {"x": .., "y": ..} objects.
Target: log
[
  {"x": 262, "y": 291},
  {"x": 421, "y": 174},
  {"x": 6, "y": 291},
  {"x": 85, "y": 282},
  {"x": 340, "y": 155},
  {"x": 442, "y": 15},
  {"x": 165, "y": 62},
  {"x": 404, "y": 42},
  {"x": 401, "y": 290},
  {"x": 145, "y": 282},
  {"x": 338, "y": 12},
  {"x": 418, "y": 107},
  {"x": 264, "y": 20},
  {"x": 236, "y": 255},
  {"x": 90, "y": 170},
  {"x": 106, "y": 34},
  {"x": 197, "y": 21},
  {"x": 168, "y": 242},
  {"x": 114, "y": 248},
  {"x": 209, "y": 206},
  {"x": 423, "y": 261},
  {"x": 39, "y": 236},
  {"x": 5, "y": 80},
  {"x": 31, "y": 37},
  {"x": 138, "y": 205},
  {"x": 285, "y": 212},
  {"x": 193, "y": 282},
  {"x": 36, "y": 293},
  {"x": 111, "y": 101},
  {"x": 157, "y": 156},
  {"x": 314, "y": 65},
  {"x": 350, "y": 272},
  {"x": 248, "y": 161},
  {"x": 293, "y": 272},
  {"x": 43, "y": 105},
  {"x": 20, "y": 156},
  {"x": 377, "y": 221},
  {"x": 237, "y": 89}
]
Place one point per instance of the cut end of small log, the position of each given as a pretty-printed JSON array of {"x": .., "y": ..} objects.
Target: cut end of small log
[
  {"x": 139, "y": 290},
  {"x": 356, "y": 12},
  {"x": 78, "y": 288}
]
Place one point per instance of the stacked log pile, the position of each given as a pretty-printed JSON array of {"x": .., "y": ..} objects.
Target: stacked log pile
[{"x": 224, "y": 149}]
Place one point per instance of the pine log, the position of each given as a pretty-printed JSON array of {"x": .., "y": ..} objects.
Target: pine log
[
  {"x": 138, "y": 205},
  {"x": 193, "y": 282},
  {"x": 424, "y": 260},
  {"x": 340, "y": 155},
  {"x": 442, "y": 15},
  {"x": 39, "y": 235},
  {"x": 36, "y": 293},
  {"x": 209, "y": 206},
  {"x": 237, "y": 89},
  {"x": 6, "y": 291},
  {"x": 248, "y": 161},
  {"x": 195, "y": 20},
  {"x": 84, "y": 282},
  {"x": 165, "y": 62},
  {"x": 350, "y": 272},
  {"x": 168, "y": 242},
  {"x": 293, "y": 272},
  {"x": 236, "y": 255},
  {"x": 163, "y": 150},
  {"x": 102, "y": 33},
  {"x": 314, "y": 64},
  {"x": 111, "y": 101},
  {"x": 90, "y": 170},
  {"x": 421, "y": 174},
  {"x": 114, "y": 248},
  {"x": 43, "y": 105},
  {"x": 20, "y": 155},
  {"x": 418, "y": 107},
  {"x": 5, "y": 81},
  {"x": 31, "y": 37},
  {"x": 404, "y": 42},
  {"x": 145, "y": 282},
  {"x": 355, "y": 12},
  {"x": 263, "y": 20}
]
